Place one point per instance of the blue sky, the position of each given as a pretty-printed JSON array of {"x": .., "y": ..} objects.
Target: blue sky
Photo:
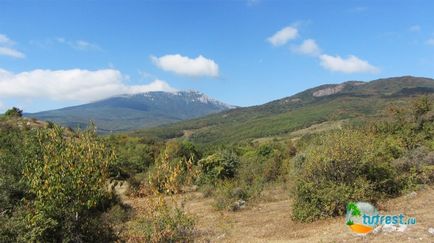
[{"x": 60, "y": 53}]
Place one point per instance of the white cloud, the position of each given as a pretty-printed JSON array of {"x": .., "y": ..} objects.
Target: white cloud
[
  {"x": 308, "y": 47},
  {"x": 415, "y": 28},
  {"x": 195, "y": 67},
  {"x": 430, "y": 42},
  {"x": 352, "y": 64},
  {"x": 282, "y": 36},
  {"x": 6, "y": 48},
  {"x": 156, "y": 85},
  {"x": 81, "y": 45},
  {"x": 4, "y": 40},
  {"x": 10, "y": 52},
  {"x": 73, "y": 84},
  {"x": 84, "y": 45}
]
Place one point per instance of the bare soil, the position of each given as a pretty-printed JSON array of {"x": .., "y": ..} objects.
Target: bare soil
[{"x": 270, "y": 220}]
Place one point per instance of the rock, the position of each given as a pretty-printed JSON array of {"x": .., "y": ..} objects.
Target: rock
[
  {"x": 240, "y": 204},
  {"x": 412, "y": 195},
  {"x": 329, "y": 91},
  {"x": 431, "y": 231},
  {"x": 377, "y": 229},
  {"x": 394, "y": 228},
  {"x": 389, "y": 228},
  {"x": 401, "y": 227}
]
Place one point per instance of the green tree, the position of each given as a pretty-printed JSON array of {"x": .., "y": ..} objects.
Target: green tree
[
  {"x": 14, "y": 112},
  {"x": 67, "y": 177}
]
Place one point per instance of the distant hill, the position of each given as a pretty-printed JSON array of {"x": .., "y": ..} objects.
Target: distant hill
[
  {"x": 129, "y": 112},
  {"x": 347, "y": 100}
]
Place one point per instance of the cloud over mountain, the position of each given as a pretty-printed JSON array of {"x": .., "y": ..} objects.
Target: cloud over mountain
[
  {"x": 73, "y": 84},
  {"x": 351, "y": 64}
]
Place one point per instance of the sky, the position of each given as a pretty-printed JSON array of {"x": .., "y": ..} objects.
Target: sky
[{"x": 242, "y": 52}]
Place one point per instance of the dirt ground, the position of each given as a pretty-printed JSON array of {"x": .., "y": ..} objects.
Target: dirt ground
[{"x": 270, "y": 220}]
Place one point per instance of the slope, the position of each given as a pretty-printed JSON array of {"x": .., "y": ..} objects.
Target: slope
[
  {"x": 349, "y": 100},
  {"x": 128, "y": 112}
]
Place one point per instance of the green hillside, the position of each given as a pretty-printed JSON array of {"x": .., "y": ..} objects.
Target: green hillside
[{"x": 352, "y": 99}]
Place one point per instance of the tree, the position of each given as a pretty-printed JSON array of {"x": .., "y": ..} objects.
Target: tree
[
  {"x": 66, "y": 176},
  {"x": 14, "y": 112}
]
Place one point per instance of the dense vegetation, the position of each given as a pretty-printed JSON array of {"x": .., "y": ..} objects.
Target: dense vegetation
[
  {"x": 53, "y": 184},
  {"x": 369, "y": 161},
  {"x": 57, "y": 184},
  {"x": 379, "y": 160}
]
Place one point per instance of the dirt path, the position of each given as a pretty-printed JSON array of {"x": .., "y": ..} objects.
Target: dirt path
[{"x": 270, "y": 221}]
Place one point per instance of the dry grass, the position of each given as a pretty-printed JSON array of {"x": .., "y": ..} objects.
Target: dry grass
[{"x": 270, "y": 220}]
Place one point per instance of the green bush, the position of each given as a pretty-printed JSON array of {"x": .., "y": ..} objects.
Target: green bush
[
  {"x": 221, "y": 165},
  {"x": 12, "y": 188},
  {"x": 14, "y": 112},
  {"x": 67, "y": 180},
  {"x": 342, "y": 166},
  {"x": 134, "y": 155},
  {"x": 416, "y": 167}
]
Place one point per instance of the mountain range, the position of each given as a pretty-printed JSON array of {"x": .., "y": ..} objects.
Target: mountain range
[
  {"x": 129, "y": 112},
  {"x": 193, "y": 115},
  {"x": 347, "y": 101}
]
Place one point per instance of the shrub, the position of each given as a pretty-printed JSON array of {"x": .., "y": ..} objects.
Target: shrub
[
  {"x": 342, "y": 166},
  {"x": 136, "y": 182},
  {"x": 169, "y": 176},
  {"x": 160, "y": 222},
  {"x": 221, "y": 165},
  {"x": 12, "y": 189},
  {"x": 416, "y": 167},
  {"x": 66, "y": 177},
  {"x": 134, "y": 156},
  {"x": 14, "y": 112}
]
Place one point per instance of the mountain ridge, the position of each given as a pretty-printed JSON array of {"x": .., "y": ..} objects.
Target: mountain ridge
[
  {"x": 133, "y": 111},
  {"x": 353, "y": 99}
]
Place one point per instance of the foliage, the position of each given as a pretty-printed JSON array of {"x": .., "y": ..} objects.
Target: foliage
[
  {"x": 53, "y": 185},
  {"x": 160, "y": 222},
  {"x": 281, "y": 117},
  {"x": 134, "y": 155},
  {"x": 14, "y": 112},
  {"x": 67, "y": 178},
  {"x": 364, "y": 164},
  {"x": 12, "y": 189},
  {"x": 339, "y": 169},
  {"x": 11, "y": 165},
  {"x": 220, "y": 165},
  {"x": 174, "y": 168},
  {"x": 259, "y": 164}
]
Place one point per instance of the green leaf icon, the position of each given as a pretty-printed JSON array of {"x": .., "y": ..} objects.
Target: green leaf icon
[{"x": 355, "y": 211}]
